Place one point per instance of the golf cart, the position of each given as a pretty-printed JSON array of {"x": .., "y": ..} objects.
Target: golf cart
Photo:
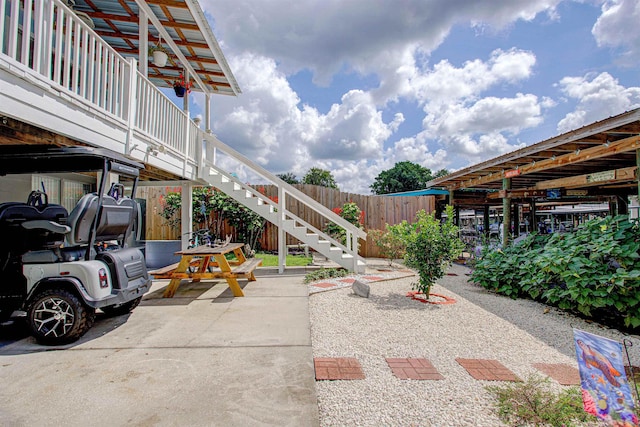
[{"x": 59, "y": 267}]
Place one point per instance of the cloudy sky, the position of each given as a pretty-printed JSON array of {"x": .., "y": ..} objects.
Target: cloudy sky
[{"x": 354, "y": 86}]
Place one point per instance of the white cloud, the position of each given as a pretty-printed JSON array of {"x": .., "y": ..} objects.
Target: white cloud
[
  {"x": 324, "y": 36},
  {"x": 471, "y": 111},
  {"x": 617, "y": 27},
  {"x": 598, "y": 96}
]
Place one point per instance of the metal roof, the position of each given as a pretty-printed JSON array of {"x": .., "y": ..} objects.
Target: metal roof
[
  {"x": 599, "y": 158},
  {"x": 183, "y": 21}
]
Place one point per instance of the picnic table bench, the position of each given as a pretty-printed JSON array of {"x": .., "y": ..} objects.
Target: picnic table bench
[{"x": 198, "y": 264}]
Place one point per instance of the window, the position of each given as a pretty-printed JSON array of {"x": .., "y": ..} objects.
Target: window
[{"x": 63, "y": 192}]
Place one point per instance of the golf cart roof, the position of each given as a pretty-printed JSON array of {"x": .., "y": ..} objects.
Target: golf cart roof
[{"x": 15, "y": 159}]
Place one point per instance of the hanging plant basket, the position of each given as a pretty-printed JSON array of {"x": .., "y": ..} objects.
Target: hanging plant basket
[
  {"x": 437, "y": 299},
  {"x": 180, "y": 91},
  {"x": 160, "y": 58}
]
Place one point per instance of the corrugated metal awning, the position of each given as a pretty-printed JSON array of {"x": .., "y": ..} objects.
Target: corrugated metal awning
[{"x": 117, "y": 22}]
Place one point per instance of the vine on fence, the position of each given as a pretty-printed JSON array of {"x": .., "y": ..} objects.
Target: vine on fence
[{"x": 211, "y": 208}]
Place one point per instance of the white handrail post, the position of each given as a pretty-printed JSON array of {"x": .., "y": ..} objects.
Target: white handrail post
[
  {"x": 186, "y": 221},
  {"x": 354, "y": 247},
  {"x": 131, "y": 94},
  {"x": 282, "y": 235},
  {"x": 187, "y": 141}
]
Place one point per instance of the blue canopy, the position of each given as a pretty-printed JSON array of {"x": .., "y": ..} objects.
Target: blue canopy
[{"x": 425, "y": 192}]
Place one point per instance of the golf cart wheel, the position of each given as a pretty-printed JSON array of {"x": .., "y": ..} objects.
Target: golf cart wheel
[
  {"x": 57, "y": 316},
  {"x": 119, "y": 309}
]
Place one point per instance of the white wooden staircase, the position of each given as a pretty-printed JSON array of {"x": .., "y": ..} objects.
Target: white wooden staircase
[{"x": 346, "y": 255}]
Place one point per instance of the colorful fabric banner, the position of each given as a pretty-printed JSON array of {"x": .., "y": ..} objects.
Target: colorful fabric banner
[{"x": 605, "y": 388}]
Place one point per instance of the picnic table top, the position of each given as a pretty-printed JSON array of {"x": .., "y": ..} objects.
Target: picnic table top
[{"x": 211, "y": 250}]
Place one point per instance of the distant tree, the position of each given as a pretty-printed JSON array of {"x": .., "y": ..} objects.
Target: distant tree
[
  {"x": 288, "y": 177},
  {"x": 317, "y": 176},
  {"x": 403, "y": 176},
  {"x": 441, "y": 172}
]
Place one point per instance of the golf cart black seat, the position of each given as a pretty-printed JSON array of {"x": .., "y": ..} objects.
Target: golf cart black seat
[
  {"x": 24, "y": 227},
  {"x": 115, "y": 217}
]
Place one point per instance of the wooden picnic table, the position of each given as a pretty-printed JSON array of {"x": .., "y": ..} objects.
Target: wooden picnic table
[{"x": 204, "y": 259}]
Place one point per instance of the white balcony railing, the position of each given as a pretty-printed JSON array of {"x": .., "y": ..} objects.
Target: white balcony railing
[{"x": 51, "y": 40}]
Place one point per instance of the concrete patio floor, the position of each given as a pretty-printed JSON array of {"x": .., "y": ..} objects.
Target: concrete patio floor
[{"x": 200, "y": 358}]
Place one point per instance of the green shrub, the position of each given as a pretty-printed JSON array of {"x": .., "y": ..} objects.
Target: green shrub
[
  {"x": 350, "y": 212},
  {"x": 532, "y": 402},
  {"x": 325, "y": 273},
  {"x": 594, "y": 269},
  {"x": 431, "y": 247},
  {"x": 390, "y": 244}
]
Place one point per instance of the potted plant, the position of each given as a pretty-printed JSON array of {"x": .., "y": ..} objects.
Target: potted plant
[
  {"x": 159, "y": 54},
  {"x": 181, "y": 86}
]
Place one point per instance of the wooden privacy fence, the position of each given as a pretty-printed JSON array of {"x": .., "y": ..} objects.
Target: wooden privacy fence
[{"x": 378, "y": 211}]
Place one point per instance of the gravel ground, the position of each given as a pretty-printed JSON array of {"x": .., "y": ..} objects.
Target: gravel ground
[{"x": 480, "y": 325}]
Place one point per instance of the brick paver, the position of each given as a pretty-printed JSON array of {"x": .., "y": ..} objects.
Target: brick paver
[
  {"x": 324, "y": 285},
  {"x": 488, "y": 370},
  {"x": 347, "y": 280},
  {"x": 562, "y": 373},
  {"x": 372, "y": 277},
  {"x": 413, "y": 369},
  {"x": 337, "y": 368}
]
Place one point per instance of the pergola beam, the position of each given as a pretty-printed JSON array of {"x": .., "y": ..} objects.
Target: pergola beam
[{"x": 623, "y": 145}]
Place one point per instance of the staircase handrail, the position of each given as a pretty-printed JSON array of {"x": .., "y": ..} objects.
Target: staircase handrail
[
  {"x": 245, "y": 187},
  {"x": 299, "y": 195}
]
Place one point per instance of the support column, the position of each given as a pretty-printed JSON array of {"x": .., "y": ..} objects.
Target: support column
[
  {"x": 185, "y": 100},
  {"x": 486, "y": 219},
  {"x": 532, "y": 220},
  {"x": 186, "y": 221},
  {"x": 282, "y": 235},
  {"x": 143, "y": 42},
  {"x": 506, "y": 212}
]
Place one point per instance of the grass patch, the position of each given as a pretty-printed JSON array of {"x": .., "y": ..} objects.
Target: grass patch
[{"x": 270, "y": 260}]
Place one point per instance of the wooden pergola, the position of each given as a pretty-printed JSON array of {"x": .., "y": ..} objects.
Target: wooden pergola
[{"x": 598, "y": 162}]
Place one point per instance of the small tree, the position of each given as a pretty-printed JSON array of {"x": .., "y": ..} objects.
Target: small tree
[
  {"x": 390, "y": 244},
  {"x": 317, "y": 176},
  {"x": 289, "y": 178},
  {"x": 431, "y": 247}
]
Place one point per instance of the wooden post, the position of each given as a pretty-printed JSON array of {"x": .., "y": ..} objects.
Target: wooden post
[
  {"x": 486, "y": 219},
  {"x": 532, "y": 221},
  {"x": 506, "y": 213}
]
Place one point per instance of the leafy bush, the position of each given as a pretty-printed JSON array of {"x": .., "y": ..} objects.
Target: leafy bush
[
  {"x": 325, "y": 273},
  {"x": 350, "y": 212},
  {"x": 593, "y": 271},
  {"x": 431, "y": 247},
  {"x": 532, "y": 402},
  {"x": 390, "y": 244}
]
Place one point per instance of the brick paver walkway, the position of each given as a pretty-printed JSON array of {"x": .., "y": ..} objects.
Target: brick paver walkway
[
  {"x": 338, "y": 368},
  {"x": 488, "y": 370},
  {"x": 413, "y": 369},
  {"x": 416, "y": 368}
]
